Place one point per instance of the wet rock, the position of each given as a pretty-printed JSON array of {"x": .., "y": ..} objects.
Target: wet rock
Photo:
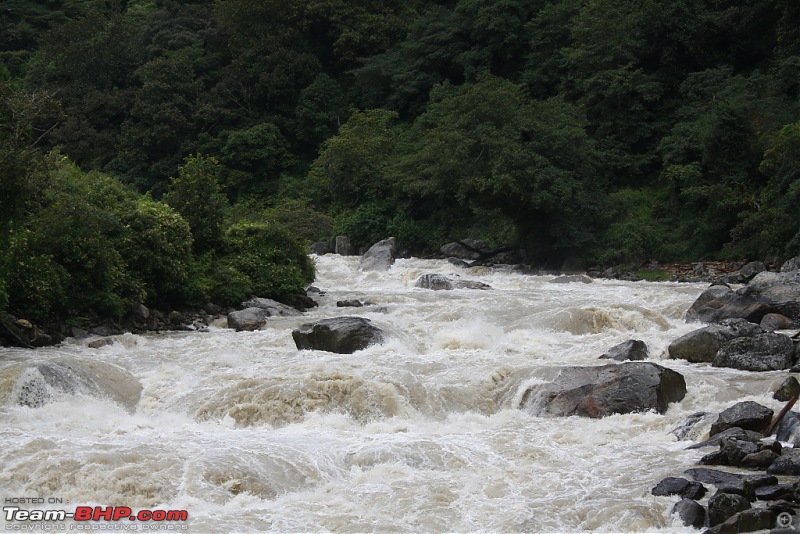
[
  {"x": 352, "y": 303},
  {"x": 787, "y": 464},
  {"x": 342, "y": 335},
  {"x": 765, "y": 352},
  {"x": 457, "y": 262},
  {"x": 733, "y": 432},
  {"x": 775, "y": 492},
  {"x": 273, "y": 308},
  {"x": 604, "y": 390},
  {"x": 751, "y": 520},
  {"x": 747, "y": 415},
  {"x": 380, "y": 256},
  {"x": 759, "y": 460},
  {"x": 248, "y": 319},
  {"x": 775, "y": 321},
  {"x": 722, "y": 506},
  {"x": 689, "y": 425},
  {"x": 735, "y": 450},
  {"x": 778, "y": 291},
  {"x": 631, "y": 350},
  {"x": 438, "y": 282},
  {"x": 343, "y": 246},
  {"x": 679, "y": 486},
  {"x": 702, "y": 345},
  {"x": 572, "y": 278},
  {"x": 750, "y": 270},
  {"x": 721, "y": 302},
  {"x": 691, "y": 513},
  {"x": 788, "y": 389}
]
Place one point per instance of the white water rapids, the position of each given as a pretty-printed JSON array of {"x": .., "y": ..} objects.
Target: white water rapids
[{"x": 420, "y": 434}]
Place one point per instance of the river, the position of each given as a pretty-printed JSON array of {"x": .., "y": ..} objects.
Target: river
[{"x": 420, "y": 434}]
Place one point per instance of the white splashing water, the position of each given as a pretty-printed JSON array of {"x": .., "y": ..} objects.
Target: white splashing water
[{"x": 419, "y": 434}]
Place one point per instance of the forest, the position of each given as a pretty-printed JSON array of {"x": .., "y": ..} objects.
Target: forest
[{"x": 173, "y": 153}]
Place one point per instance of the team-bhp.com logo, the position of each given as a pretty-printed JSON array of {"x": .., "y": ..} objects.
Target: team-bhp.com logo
[{"x": 150, "y": 519}]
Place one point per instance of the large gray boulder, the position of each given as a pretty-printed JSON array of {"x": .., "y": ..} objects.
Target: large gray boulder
[
  {"x": 747, "y": 415},
  {"x": 765, "y": 352},
  {"x": 778, "y": 291},
  {"x": 248, "y": 319},
  {"x": 272, "y": 307},
  {"x": 438, "y": 282},
  {"x": 604, "y": 390},
  {"x": 791, "y": 265},
  {"x": 702, "y": 345},
  {"x": 380, "y": 256},
  {"x": 342, "y": 335}
]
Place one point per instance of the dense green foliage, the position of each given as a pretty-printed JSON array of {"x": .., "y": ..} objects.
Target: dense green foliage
[{"x": 606, "y": 130}]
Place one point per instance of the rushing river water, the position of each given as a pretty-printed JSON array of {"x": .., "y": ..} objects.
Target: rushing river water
[{"x": 420, "y": 434}]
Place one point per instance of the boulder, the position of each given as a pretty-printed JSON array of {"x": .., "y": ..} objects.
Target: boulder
[
  {"x": 721, "y": 302},
  {"x": 779, "y": 292},
  {"x": 750, "y": 270},
  {"x": 679, "y": 486},
  {"x": 733, "y": 432},
  {"x": 456, "y": 250},
  {"x": 344, "y": 247},
  {"x": 765, "y": 352},
  {"x": 342, "y": 335},
  {"x": 631, "y": 350},
  {"x": 570, "y": 278},
  {"x": 604, "y": 390},
  {"x": 691, "y": 513},
  {"x": 702, "y": 345},
  {"x": 750, "y": 520},
  {"x": 438, "y": 282},
  {"x": 775, "y": 321},
  {"x": 788, "y": 389},
  {"x": 722, "y": 506},
  {"x": 788, "y": 430},
  {"x": 787, "y": 464},
  {"x": 380, "y": 256},
  {"x": 747, "y": 415},
  {"x": 791, "y": 265},
  {"x": 320, "y": 248},
  {"x": 272, "y": 307},
  {"x": 775, "y": 492},
  {"x": 248, "y": 319}
]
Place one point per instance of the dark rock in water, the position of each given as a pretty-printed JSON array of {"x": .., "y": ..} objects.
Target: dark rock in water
[
  {"x": 750, "y": 520},
  {"x": 248, "y": 319},
  {"x": 631, "y": 350},
  {"x": 759, "y": 460},
  {"x": 342, "y": 335},
  {"x": 571, "y": 278},
  {"x": 438, "y": 282},
  {"x": 788, "y": 429},
  {"x": 733, "y": 432},
  {"x": 714, "y": 458},
  {"x": 457, "y": 262},
  {"x": 456, "y": 250},
  {"x": 778, "y": 291},
  {"x": 604, "y": 390},
  {"x": 775, "y": 492},
  {"x": 775, "y": 321},
  {"x": 747, "y": 415},
  {"x": 702, "y": 345},
  {"x": 764, "y": 352},
  {"x": 721, "y": 302},
  {"x": 352, "y": 303},
  {"x": 380, "y": 256},
  {"x": 787, "y": 464},
  {"x": 99, "y": 343},
  {"x": 735, "y": 450},
  {"x": 788, "y": 389},
  {"x": 791, "y": 265},
  {"x": 722, "y": 506},
  {"x": 691, "y": 513},
  {"x": 679, "y": 486}
]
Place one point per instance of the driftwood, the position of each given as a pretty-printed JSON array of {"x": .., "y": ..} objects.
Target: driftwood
[{"x": 781, "y": 415}]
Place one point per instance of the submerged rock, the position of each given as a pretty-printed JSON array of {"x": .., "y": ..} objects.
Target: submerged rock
[
  {"x": 571, "y": 278},
  {"x": 604, "y": 390},
  {"x": 438, "y": 282},
  {"x": 342, "y": 335},
  {"x": 631, "y": 350}
]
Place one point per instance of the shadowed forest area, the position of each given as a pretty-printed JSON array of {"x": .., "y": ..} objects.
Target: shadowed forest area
[{"x": 173, "y": 153}]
